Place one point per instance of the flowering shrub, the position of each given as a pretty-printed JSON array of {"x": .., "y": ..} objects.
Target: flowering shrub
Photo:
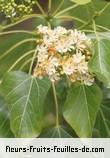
[{"x": 54, "y": 68}]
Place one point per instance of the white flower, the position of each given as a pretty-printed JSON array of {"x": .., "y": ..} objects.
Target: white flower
[
  {"x": 54, "y": 77},
  {"x": 64, "y": 44},
  {"x": 89, "y": 82},
  {"x": 87, "y": 79},
  {"x": 69, "y": 66},
  {"x": 48, "y": 40},
  {"x": 80, "y": 39},
  {"x": 80, "y": 62},
  {"x": 60, "y": 31},
  {"x": 42, "y": 53},
  {"x": 43, "y": 29},
  {"x": 50, "y": 68},
  {"x": 78, "y": 57},
  {"x": 79, "y": 36},
  {"x": 63, "y": 51},
  {"x": 68, "y": 70},
  {"x": 54, "y": 61}
]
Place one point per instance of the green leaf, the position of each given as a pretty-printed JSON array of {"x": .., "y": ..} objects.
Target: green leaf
[
  {"x": 5, "y": 131},
  {"x": 49, "y": 108},
  {"x": 56, "y": 132},
  {"x": 100, "y": 62},
  {"x": 25, "y": 96},
  {"x": 89, "y": 10},
  {"x": 102, "y": 126},
  {"x": 103, "y": 19},
  {"x": 106, "y": 93},
  {"x": 15, "y": 50},
  {"x": 81, "y": 108},
  {"x": 81, "y": 1}
]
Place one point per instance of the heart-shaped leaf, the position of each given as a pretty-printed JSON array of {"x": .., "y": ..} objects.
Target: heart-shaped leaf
[
  {"x": 25, "y": 96},
  {"x": 81, "y": 108}
]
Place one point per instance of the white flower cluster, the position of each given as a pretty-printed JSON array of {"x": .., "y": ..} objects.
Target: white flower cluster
[{"x": 63, "y": 53}]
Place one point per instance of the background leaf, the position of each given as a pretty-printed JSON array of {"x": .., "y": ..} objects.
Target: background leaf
[
  {"x": 25, "y": 96},
  {"x": 102, "y": 126},
  {"x": 100, "y": 62},
  {"x": 12, "y": 48},
  {"x": 83, "y": 21},
  {"x": 81, "y": 108}
]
